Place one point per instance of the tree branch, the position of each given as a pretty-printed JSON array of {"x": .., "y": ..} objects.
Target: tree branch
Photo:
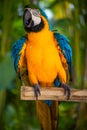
[{"x": 53, "y": 93}]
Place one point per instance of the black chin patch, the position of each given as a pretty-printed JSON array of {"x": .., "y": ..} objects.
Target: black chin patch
[{"x": 36, "y": 28}]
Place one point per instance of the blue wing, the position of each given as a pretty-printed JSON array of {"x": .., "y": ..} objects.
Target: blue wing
[
  {"x": 65, "y": 47},
  {"x": 17, "y": 46},
  {"x": 63, "y": 42}
]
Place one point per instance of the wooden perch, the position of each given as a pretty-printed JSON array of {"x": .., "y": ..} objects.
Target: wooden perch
[{"x": 53, "y": 93}]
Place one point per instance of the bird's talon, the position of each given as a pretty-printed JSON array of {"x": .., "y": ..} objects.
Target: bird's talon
[
  {"x": 37, "y": 90},
  {"x": 66, "y": 90}
]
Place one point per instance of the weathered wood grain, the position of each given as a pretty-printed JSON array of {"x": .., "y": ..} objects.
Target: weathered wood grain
[{"x": 53, "y": 93}]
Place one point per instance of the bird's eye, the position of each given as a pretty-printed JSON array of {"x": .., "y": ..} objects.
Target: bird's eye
[{"x": 36, "y": 13}]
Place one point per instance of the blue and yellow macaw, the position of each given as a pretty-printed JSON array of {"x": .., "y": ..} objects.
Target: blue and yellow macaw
[{"x": 43, "y": 58}]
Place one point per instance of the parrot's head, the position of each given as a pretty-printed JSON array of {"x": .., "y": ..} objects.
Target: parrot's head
[{"x": 33, "y": 20}]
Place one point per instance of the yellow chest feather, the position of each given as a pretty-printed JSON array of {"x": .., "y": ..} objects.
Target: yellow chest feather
[{"x": 42, "y": 56}]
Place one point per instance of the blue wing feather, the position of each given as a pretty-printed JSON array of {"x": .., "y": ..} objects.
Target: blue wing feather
[
  {"x": 17, "y": 46},
  {"x": 65, "y": 47},
  {"x": 63, "y": 41}
]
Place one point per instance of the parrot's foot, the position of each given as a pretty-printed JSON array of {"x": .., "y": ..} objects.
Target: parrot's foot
[
  {"x": 66, "y": 90},
  {"x": 37, "y": 90}
]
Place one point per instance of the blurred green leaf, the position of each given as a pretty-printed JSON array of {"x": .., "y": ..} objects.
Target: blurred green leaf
[
  {"x": 63, "y": 22},
  {"x": 2, "y": 100},
  {"x": 7, "y": 73},
  {"x": 10, "y": 117}
]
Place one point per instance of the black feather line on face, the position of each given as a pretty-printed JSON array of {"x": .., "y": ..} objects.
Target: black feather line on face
[{"x": 36, "y": 28}]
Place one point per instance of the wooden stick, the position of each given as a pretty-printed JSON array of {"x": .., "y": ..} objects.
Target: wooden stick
[{"x": 53, "y": 93}]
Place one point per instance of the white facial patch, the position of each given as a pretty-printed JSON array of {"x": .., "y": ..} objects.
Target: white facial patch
[{"x": 36, "y": 20}]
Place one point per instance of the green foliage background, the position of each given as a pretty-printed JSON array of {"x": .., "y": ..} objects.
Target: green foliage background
[{"x": 69, "y": 17}]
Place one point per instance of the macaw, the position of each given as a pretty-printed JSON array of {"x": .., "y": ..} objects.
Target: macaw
[{"x": 43, "y": 58}]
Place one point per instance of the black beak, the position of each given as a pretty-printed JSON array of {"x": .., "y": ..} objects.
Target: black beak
[{"x": 27, "y": 19}]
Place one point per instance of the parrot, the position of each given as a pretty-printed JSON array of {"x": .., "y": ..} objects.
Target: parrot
[{"x": 43, "y": 58}]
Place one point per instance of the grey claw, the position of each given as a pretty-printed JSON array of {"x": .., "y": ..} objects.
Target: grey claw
[
  {"x": 66, "y": 90},
  {"x": 37, "y": 90}
]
